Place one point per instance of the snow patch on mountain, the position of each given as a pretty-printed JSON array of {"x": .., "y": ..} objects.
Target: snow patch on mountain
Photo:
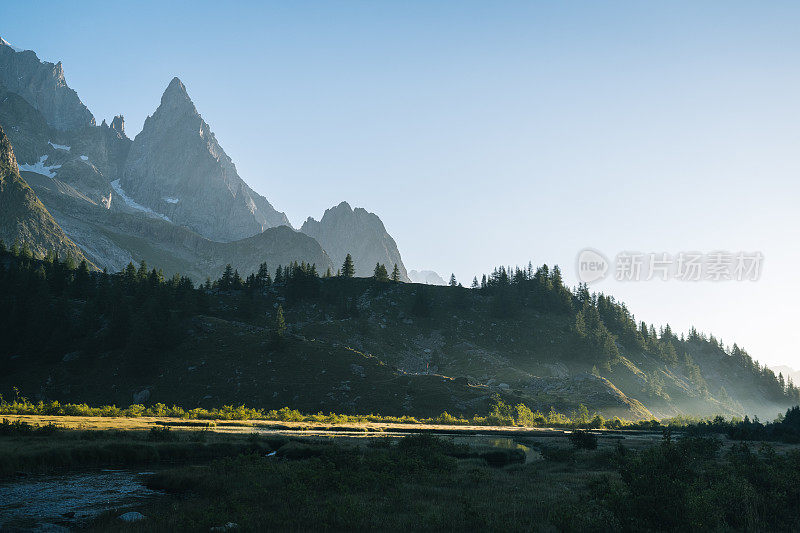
[
  {"x": 40, "y": 168},
  {"x": 60, "y": 146},
  {"x": 133, "y": 204},
  {"x": 16, "y": 49}
]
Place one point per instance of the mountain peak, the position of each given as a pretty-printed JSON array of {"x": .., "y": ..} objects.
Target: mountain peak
[
  {"x": 343, "y": 230},
  {"x": 43, "y": 86},
  {"x": 176, "y": 167},
  {"x": 175, "y": 94},
  {"x": 118, "y": 124}
]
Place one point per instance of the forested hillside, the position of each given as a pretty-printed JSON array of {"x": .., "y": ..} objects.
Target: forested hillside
[{"x": 357, "y": 344}]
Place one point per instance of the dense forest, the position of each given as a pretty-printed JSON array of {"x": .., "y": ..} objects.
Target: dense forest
[{"x": 604, "y": 324}]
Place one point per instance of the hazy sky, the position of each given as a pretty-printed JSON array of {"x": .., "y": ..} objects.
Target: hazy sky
[{"x": 490, "y": 133}]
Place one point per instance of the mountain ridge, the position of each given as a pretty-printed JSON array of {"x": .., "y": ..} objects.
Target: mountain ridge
[{"x": 43, "y": 85}]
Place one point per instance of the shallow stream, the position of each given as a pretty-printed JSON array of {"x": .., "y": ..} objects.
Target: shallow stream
[{"x": 65, "y": 501}]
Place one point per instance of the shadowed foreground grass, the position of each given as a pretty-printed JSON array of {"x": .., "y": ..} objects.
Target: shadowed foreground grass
[
  {"x": 426, "y": 483},
  {"x": 26, "y": 448},
  {"x": 575, "y": 482},
  {"x": 419, "y": 483}
]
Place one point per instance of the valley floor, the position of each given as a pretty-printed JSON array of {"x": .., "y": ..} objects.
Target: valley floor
[
  {"x": 257, "y": 475},
  {"x": 277, "y": 428}
]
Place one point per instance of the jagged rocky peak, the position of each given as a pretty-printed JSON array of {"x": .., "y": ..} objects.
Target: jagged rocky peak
[
  {"x": 43, "y": 85},
  {"x": 118, "y": 124},
  {"x": 343, "y": 230},
  {"x": 176, "y": 94},
  {"x": 177, "y": 168}
]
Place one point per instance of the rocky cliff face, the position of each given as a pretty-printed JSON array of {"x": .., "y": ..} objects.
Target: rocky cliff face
[
  {"x": 87, "y": 159},
  {"x": 176, "y": 167},
  {"x": 43, "y": 85},
  {"x": 23, "y": 218},
  {"x": 26, "y": 128},
  {"x": 344, "y": 230}
]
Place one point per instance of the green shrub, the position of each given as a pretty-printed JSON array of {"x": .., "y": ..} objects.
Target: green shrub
[
  {"x": 23, "y": 428},
  {"x": 503, "y": 457},
  {"x": 557, "y": 454},
  {"x": 583, "y": 440},
  {"x": 161, "y": 434}
]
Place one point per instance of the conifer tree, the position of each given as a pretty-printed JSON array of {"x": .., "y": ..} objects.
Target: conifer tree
[
  {"x": 226, "y": 281},
  {"x": 475, "y": 283},
  {"x": 130, "y": 274},
  {"x": 25, "y": 252},
  {"x": 395, "y": 273},
  {"x": 279, "y": 324},
  {"x": 453, "y": 282},
  {"x": 348, "y": 268},
  {"x": 262, "y": 277},
  {"x": 141, "y": 274},
  {"x": 380, "y": 273}
]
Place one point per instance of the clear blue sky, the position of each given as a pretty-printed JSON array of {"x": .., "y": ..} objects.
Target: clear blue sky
[{"x": 490, "y": 132}]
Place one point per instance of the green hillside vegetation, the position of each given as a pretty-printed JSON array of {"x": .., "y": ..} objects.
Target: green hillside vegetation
[{"x": 357, "y": 345}]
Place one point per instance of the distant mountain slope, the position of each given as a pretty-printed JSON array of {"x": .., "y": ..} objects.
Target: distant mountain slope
[
  {"x": 177, "y": 168},
  {"x": 343, "y": 230},
  {"x": 23, "y": 218},
  {"x": 43, "y": 85},
  {"x": 428, "y": 277},
  {"x": 788, "y": 373}
]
